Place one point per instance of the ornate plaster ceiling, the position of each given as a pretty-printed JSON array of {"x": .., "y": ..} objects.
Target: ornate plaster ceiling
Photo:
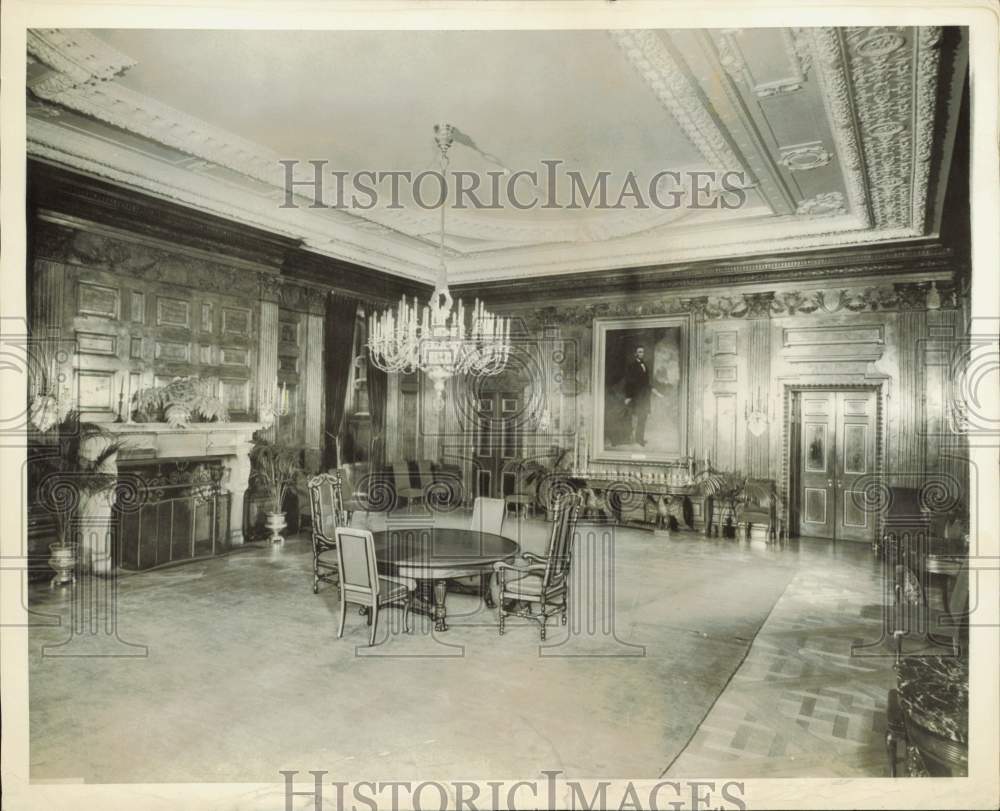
[{"x": 843, "y": 135}]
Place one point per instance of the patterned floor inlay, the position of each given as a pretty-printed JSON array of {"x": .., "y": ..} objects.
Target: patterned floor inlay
[{"x": 810, "y": 698}]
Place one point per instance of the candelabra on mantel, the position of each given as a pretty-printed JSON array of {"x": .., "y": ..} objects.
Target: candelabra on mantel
[
  {"x": 277, "y": 407},
  {"x": 435, "y": 338}
]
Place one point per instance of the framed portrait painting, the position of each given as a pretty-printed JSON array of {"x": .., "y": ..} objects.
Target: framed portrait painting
[{"x": 640, "y": 389}]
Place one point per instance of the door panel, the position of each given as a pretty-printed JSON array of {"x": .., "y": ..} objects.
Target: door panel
[
  {"x": 856, "y": 461},
  {"x": 497, "y": 441},
  {"x": 817, "y": 464},
  {"x": 837, "y": 452}
]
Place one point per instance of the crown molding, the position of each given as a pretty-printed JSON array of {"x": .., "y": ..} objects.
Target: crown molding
[{"x": 650, "y": 55}]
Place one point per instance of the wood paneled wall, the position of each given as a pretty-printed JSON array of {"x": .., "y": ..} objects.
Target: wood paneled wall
[{"x": 749, "y": 349}]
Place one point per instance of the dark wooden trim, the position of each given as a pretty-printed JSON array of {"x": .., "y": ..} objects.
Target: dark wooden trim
[
  {"x": 73, "y": 194},
  {"x": 815, "y": 265},
  {"x": 345, "y": 277},
  {"x": 77, "y": 195}
]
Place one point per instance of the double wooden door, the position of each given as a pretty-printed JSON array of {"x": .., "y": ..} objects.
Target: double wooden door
[
  {"x": 836, "y": 459},
  {"x": 497, "y": 440}
]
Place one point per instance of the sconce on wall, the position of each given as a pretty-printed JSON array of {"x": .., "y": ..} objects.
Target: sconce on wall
[{"x": 756, "y": 417}]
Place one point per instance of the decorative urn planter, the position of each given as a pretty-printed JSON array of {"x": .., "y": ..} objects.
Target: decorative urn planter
[
  {"x": 63, "y": 563},
  {"x": 275, "y": 522}
]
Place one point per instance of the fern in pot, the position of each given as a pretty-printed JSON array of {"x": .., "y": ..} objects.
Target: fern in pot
[
  {"x": 276, "y": 467},
  {"x": 179, "y": 401}
]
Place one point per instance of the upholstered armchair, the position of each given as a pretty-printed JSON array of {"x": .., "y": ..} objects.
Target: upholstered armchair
[
  {"x": 327, "y": 505},
  {"x": 540, "y": 585}
]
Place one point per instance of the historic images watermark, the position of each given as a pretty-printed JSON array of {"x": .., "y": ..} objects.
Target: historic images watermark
[
  {"x": 550, "y": 790},
  {"x": 549, "y": 186}
]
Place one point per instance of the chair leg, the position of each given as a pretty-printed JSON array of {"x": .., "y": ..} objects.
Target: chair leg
[
  {"x": 343, "y": 616},
  {"x": 406, "y": 611},
  {"x": 373, "y": 617}
]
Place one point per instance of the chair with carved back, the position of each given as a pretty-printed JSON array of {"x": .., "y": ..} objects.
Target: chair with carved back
[
  {"x": 361, "y": 583},
  {"x": 544, "y": 580},
  {"x": 327, "y": 505}
]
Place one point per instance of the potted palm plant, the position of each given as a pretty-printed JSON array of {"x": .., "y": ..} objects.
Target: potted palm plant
[
  {"x": 69, "y": 466},
  {"x": 276, "y": 467}
]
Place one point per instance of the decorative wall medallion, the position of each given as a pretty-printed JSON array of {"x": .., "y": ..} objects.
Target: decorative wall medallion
[
  {"x": 881, "y": 42},
  {"x": 887, "y": 129},
  {"x": 757, "y": 423},
  {"x": 825, "y": 204},
  {"x": 803, "y": 157}
]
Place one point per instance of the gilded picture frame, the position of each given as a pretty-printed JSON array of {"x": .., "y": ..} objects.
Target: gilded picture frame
[{"x": 651, "y": 424}]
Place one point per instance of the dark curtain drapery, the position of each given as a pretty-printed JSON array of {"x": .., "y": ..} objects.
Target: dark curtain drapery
[
  {"x": 338, "y": 333},
  {"x": 378, "y": 390}
]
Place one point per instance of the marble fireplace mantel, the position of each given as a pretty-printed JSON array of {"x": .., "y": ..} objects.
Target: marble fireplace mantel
[{"x": 229, "y": 441}]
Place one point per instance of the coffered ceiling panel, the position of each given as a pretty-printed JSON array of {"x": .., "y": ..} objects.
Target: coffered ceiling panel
[{"x": 840, "y": 136}]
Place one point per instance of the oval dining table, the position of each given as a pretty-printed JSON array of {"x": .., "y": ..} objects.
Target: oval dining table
[{"x": 432, "y": 556}]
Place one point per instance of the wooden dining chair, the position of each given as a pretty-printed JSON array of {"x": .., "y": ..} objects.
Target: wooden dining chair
[
  {"x": 544, "y": 580},
  {"x": 361, "y": 584},
  {"x": 488, "y": 515},
  {"x": 327, "y": 507}
]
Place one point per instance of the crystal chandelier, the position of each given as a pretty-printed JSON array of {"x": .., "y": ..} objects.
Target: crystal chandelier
[{"x": 436, "y": 339}]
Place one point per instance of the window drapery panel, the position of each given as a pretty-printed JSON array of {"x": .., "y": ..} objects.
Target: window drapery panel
[
  {"x": 341, "y": 312},
  {"x": 378, "y": 389}
]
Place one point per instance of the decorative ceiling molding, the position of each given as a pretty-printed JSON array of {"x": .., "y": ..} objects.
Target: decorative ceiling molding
[
  {"x": 75, "y": 57},
  {"x": 890, "y": 120},
  {"x": 732, "y": 59},
  {"x": 319, "y": 229},
  {"x": 649, "y": 54},
  {"x": 894, "y": 79},
  {"x": 832, "y": 74}
]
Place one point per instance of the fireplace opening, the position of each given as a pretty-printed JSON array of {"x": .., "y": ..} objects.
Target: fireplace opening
[{"x": 181, "y": 514}]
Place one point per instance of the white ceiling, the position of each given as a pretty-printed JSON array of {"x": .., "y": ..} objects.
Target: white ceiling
[{"x": 832, "y": 126}]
